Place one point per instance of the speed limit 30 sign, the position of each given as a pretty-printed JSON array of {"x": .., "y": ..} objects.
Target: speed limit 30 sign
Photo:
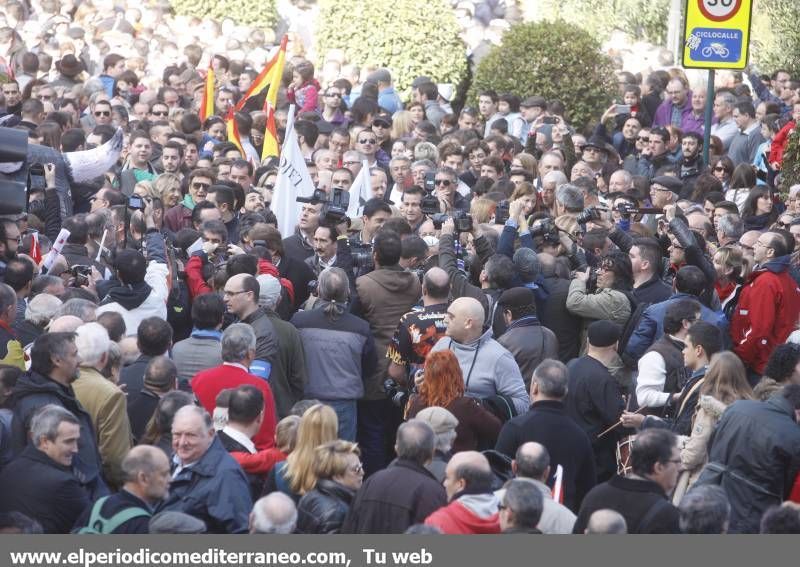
[{"x": 717, "y": 34}]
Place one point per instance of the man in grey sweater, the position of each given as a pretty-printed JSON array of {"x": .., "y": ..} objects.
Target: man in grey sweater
[
  {"x": 202, "y": 350},
  {"x": 488, "y": 368}
]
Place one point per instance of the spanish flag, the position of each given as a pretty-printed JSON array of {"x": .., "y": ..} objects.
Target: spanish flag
[
  {"x": 233, "y": 132},
  {"x": 269, "y": 76},
  {"x": 270, "y": 147},
  {"x": 207, "y": 104}
]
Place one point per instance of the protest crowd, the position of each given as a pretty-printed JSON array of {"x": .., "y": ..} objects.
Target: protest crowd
[{"x": 478, "y": 320}]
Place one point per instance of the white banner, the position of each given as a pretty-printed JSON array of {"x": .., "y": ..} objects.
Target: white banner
[
  {"x": 360, "y": 192},
  {"x": 293, "y": 181}
]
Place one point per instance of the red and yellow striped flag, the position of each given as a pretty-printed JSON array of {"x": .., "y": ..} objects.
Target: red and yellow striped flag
[
  {"x": 270, "y": 148},
  {"x": 233, "y": 132},
  {"x": 267, "y": 77},
  {"x": 207, "y": 103}
]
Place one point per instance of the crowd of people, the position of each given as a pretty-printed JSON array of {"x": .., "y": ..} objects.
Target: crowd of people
[{"x": 532, "y": 326}]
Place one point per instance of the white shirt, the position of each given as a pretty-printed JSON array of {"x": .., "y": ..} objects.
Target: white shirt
[{"x": 240, "y": 438}]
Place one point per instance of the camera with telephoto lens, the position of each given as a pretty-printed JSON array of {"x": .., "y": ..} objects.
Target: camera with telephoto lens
[
  {"x": 429, "y": 204},
  {"x": 627, "y": 210},
  {"x": 362, "y": 257},
  {"x": 397, "y": 394},
  {"x": 588, "y": 214},
  {"x": 461, "y": 220},
  {"x": 501, "y": 214},
  {"x": 80, "y": 275},
  {"x": 334, "y": 210},
  {"x": 544, "y": 227}
]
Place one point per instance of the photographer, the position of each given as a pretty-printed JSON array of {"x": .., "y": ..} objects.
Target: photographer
[
  {"x": 609, "y": 298},
  {"x": 450, "y": 200},
  {"x": 496, "y": 276}
]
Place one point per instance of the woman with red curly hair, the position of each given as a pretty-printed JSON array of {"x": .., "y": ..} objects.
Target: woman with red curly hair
[{"x": 443, "y": 386}]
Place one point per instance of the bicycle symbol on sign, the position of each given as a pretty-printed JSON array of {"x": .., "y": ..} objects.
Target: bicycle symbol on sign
[{"x": 717, "y": 49}]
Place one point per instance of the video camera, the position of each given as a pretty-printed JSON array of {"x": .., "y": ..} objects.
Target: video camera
[
  {"x": 362, "y": 257},
  {"x": 334, "y": 210},
  {"x": 462, "y": 221},
  {"x": 501, "y": 214},
  {"x": 544, "y": 227}
]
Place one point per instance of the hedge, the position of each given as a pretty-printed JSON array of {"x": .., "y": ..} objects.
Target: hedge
[
  {"x": 408, "y": 37},
  {"x": 256, "y": 13},
  {"x": 555, "y": 60}
]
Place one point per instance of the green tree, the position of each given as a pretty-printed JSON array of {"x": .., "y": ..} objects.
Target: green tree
[
  {"x": 790, "y": 171},
  {"x": 408, "y": 37},
  {"x": 775, "y": 35},
  {"x": 257, "y": 13},
  {"x": 555, "y": 60}
]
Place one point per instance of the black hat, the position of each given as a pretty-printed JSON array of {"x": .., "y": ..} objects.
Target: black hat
[
  {"x": 668, "y": 182},
  {"x": 596, "y": 142},
  {"x": 604, "y": 333},
  {"x": 383, "y": 118},
  {"x": 516, "y": 298}
]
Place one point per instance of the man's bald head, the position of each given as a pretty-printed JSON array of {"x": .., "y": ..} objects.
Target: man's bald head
[
  {"x": 532, "y": 461},
  {"x": 606, "y": 522},
  {"x": 464, "y": 319},
  {"x": 468, "y": 469},
  {"x": 65, "y": 324},
  {"x": 436, "y": 284}
]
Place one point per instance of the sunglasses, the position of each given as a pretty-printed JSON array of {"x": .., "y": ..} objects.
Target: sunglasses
[
  {"x": 196, "y": 185},
  {"x": 160, "y": 113},
  {"x": 370, "y": 141},
  {"x": 46, "y": 97},
  {"x": 646, "y": 140},
  {"x": 102, "y": 113},
  {"x": 269, "y": 186},
  {"x": 445, "y": 182}
]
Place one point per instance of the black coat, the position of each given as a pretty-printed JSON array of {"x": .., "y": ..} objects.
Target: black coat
[
  {"x": 569, "y": 446},
  {"x": 34, "y": 391},
  {"x": 26, "y": 331},
  {"x": 636, "y": 500},
  {"x": 655, "y": 290},
  {"x": 323, "y": 510},
  {"x": 296, "y": 271},
  {"x": 140, "y": 410},
  {"x": 115, "y": 504},
  {"x": 37, "y": 486},
  {"x": 393, "y": 499},
  {"x": 595, "y": 402},
  {"x": 560, "y": 320},
  {"x": 133, "y": 376},
  {"x": 754, "y": 454},
  {"x": 231, "y": 445}
]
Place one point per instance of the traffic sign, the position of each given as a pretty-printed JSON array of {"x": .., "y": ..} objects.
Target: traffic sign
[{"x": 716, "y": 34}]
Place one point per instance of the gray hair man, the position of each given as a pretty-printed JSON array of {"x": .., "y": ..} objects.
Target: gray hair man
[
  {"x": 275, "y": 513},
  {"x": 704, "y": 510},
  {"x": 521, "y": 508},
  {"x": 39, "y": 482}
]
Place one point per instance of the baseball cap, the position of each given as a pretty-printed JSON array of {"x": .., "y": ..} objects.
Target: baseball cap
[{"x": 439, "y": 419}]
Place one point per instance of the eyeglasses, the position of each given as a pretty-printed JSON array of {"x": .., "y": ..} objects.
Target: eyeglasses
[
  {"x": 102, "y": 113},
  {"x": 335, "y": 95},
  {"x": 645, "y": 140},
  {"x": 160, "y": 113},
  {"x": 368, "y": 141},
  {"x": 45, "y": 97},
  {"x": 228, "y": 293},
  {"x": 351, "y": 162},
  {"x": 444, "y": 182},
  {"x": 18, "y": 239},
  {"x": 358, "y": 469},
  {"x": 198, "y": 185}
]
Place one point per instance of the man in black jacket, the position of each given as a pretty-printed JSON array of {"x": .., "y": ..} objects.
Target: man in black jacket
[
  {"x": 54, "y": 367},
  {"x": 641, "y": 497},
  {"x": 525, "y": 337},
  {"x": 594, "y": 399},
  {"x": 403, "y": 494},
  {"x": 147, "y": 475},
  {"x": 555, "y": 315},
  {"x": 547, "y": 423},
  {"x": 153, "y": 337},
  {"x": 40, "y": 482},
  {"x": 245, "y": 416},
  {"x": 754, "y": 455}
]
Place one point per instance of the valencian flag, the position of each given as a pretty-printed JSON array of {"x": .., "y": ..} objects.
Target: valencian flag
[
  {"x": 207, "y": 104},
  {"x": 270, "y": 148},
  {"x": 266, "y": 76}
]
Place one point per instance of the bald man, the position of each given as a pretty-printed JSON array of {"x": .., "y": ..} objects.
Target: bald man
[
  {"x": 473, "y": 507},
  {"x": 419, "y": 330},
  {"x": 489, "y": 369},
  {"x": 65, "y": 324},
  {"x": 146, "y": 471},
  {"x": 606, "y": 522}
]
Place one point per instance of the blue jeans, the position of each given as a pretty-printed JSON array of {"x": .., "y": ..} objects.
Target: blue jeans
[{"x": 347, "y": 415}]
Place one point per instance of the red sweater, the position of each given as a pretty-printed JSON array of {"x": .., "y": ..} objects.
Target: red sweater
[
  {"x": 198, "y": 286},
  {"x": 207, "y": 384},
  {"x": 456, "y": 518},
  {"x": 261, "y": 462}
]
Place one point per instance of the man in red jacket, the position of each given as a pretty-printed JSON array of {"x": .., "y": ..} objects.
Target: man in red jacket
[
  {"x": 769, "y": 306},
  {"x": 473, "y": 507},
  {"x": 238, "y": 351}
]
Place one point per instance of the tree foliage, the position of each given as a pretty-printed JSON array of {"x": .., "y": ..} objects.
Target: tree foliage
[
  {"x": 256, "y": 13},
  {"x": 790, "y": 171},
  {"x": 408, "y": 37},
  {"x": 775, "y": 35},
  {"x": 555, "y": 60}
]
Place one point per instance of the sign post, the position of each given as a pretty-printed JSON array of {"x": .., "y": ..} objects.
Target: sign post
[{"x": 716, "y": 35}]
